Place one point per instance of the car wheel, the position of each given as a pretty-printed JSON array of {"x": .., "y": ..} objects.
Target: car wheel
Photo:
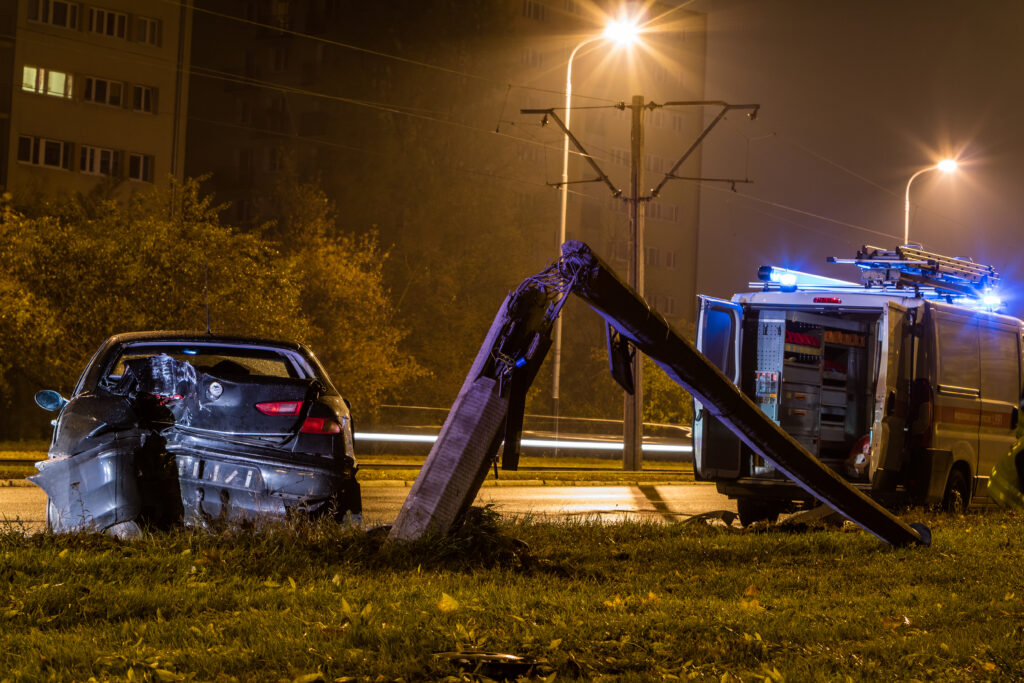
[
  {"x": 757, "y": 510},
  {"x": 958, "y": 493}
]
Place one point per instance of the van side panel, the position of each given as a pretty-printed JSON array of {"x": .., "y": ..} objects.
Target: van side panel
[
  {"x": 957, "y": 376},
  {"x": 1000, "y": 391}
]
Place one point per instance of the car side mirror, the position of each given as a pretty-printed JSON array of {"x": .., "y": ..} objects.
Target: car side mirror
[{"x": 48, "y": 399}]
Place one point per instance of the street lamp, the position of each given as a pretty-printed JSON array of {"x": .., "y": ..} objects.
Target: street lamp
[
  {"x": 946, "y": 166},
  {"x": 623, "y": 33}
]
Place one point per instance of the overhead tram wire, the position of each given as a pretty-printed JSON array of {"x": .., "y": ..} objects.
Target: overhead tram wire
[
  {"x": 802, "y": 212},
  {"x": 376, "y": 53},
  {"x": 337, "y": 145},
  {"x": 269, "y": 85},
  {"x": 775, "y": 135}
]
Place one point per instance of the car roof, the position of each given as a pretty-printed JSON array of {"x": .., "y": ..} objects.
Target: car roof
[{"x": 193, "y": 336}]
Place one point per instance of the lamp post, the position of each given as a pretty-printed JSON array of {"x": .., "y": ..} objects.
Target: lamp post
[
  {"x": 622, "y": 33},
  {"x": 946, "y": 166}
]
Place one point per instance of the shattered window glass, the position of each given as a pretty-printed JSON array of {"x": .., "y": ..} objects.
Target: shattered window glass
[{"x": 227, "y": 363}]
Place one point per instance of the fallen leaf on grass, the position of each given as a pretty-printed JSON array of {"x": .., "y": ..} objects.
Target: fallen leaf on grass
[
  {"x": 615, "y": 603},
  {"x": 752, "y": 605},
  {"x": 310, "y": 678},
  {"x": 895, "y": 622},
  {"x": 447, "y": 603},
  {"x": 751, "y": 591}
]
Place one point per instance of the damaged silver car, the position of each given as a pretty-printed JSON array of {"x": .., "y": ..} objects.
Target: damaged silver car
[{"x": 165, "y": 428}]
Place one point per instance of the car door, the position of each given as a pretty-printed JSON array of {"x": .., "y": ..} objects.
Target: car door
[{"x": 716, "y": 450}]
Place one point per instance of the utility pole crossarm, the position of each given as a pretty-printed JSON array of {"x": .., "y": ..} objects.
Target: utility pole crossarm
[
  {"x": 726, "y": 108},
  {"x": 601, "y": 175}
]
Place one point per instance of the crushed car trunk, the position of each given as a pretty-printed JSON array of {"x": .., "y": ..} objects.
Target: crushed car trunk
[{"x": 168, "y": 443}]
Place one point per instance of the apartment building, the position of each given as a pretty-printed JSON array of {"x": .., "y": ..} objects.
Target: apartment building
[
  {"x": 307, "y": 85},
  {"x": 99, "y": 94}
]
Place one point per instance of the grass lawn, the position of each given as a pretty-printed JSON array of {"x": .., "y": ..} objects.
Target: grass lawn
[{"x": 582, "y": 601}]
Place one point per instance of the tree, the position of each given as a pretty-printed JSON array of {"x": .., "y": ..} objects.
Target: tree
[
  {"x": 75, "y": 271},
  {"x": 352, "y": 321}
]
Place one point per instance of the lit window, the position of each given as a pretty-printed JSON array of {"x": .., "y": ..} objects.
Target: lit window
[
  {"x": 147, "y": 31},
  {"x": 43, "y": 152},
  {"x": 46, "y": 81},
  {"x": 108, "y": 23},
  {"x": 98, "y": 161},
  {"x": 144, "y": 98},
  {"x": 102, "y": 91},
  {"x": 54, "y": 12},
  {"x": 140, "y": 167},
  {"x": 31, "y": 79},
  {"x": 58, "y": 84}
]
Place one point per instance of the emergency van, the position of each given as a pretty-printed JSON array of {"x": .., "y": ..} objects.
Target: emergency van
[{"x": 907, "y": 384}]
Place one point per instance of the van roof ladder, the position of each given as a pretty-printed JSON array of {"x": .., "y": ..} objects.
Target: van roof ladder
[{"x": 910, "y": 265}]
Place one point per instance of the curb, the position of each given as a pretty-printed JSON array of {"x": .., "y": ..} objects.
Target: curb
[
  {"x": 15, "y": 483},
  {"x": 511, "y": 483}
]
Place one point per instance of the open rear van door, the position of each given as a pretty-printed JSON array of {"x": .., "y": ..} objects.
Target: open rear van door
[{"x": 716, "y": 450}]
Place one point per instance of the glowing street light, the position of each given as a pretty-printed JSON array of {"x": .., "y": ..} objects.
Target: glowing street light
[
  {"x": 623, "y": 33},
  {"x": 946, "y": 166}
]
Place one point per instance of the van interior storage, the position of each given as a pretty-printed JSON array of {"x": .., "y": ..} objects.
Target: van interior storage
[{"x": 812, "y": 372}]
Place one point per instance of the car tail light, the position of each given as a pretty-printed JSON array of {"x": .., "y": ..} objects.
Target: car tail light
[
  {"x": 320, "y": 425},
  {"x": 279, "y": 407}
]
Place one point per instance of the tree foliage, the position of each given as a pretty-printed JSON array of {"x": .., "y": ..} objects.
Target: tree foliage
[{"x": 76, "y": 271}]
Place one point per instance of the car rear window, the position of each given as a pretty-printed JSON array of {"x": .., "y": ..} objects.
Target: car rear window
[{"x": 229, "y": 363}]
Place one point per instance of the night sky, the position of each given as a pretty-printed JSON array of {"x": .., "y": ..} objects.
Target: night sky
[{"x": 856, "y": 97}]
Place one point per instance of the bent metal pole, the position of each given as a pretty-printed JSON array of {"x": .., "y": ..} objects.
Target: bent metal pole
[{"x": 630, "y": 315}]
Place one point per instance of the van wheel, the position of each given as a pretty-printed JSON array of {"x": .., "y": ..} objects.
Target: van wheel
[
  {"x": 756, "y": 510},
  {"x": 957, "y": 494}
]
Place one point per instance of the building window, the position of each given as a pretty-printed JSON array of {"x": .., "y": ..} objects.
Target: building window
[
  {"x": 102, "y": 91},
  {"x": 243, "y": 111},
  {"x": 108, "y": 23},
  {"x": 43, "y": 152},
  {"x": 140, "y": 167},
  {"x": 671, "y": 259},
  {"x": 54, "y": 12},
  {"x": 147, "y": 31},
  {"x": 46, "y": 81},
  {"x": 530, "y": 153},
  {"x": 97, "y": 161},
  {"x": 279, "y": 13},
  {"x": 532, "y": 58},
  {"x": 144, "y": 98},
  {"x": 533, "y": 9},
  {"x": 275, "y": 159},
  {"x": 280, "y": 58}
]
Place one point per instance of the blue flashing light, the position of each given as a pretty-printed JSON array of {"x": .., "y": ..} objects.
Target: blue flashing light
[
  {"x": 992, "y": 300},
  {"x": 190, "y": 352},
  {"x": 788, "y": 278},
  {"x": 520, "y": 362}
]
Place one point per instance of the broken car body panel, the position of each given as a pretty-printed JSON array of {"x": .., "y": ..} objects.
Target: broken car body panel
[{"x": 168, "y": 427}]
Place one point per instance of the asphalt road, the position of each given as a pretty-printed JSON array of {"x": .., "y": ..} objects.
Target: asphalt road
[{"x": 25, "y": 505}]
